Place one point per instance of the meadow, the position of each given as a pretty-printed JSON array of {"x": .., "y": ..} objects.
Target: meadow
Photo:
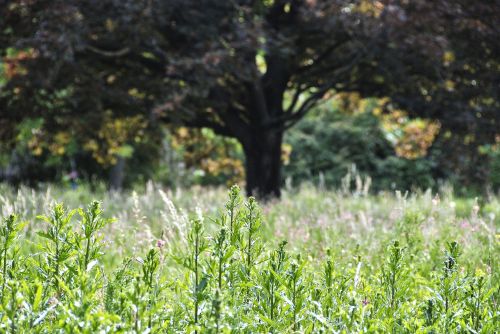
[{"x": 209, "y": 260}]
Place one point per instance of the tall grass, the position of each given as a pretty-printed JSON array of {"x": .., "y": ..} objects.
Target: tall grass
[{"x": 210, "y": 262}]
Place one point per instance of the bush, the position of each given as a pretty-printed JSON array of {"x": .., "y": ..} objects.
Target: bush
[{"x": 328, "y": 143}]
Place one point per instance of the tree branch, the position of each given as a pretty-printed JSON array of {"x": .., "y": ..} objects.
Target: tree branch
[
  {"x": 327, "y": 52},
  {"x": 198, "y": 121},
  {"x": 238, "y": 128},
  {"x": 261, "y": 106},
  {"x": 296, "y": 97},
  {"x": 107, "y": 53},
  {"x": 292, "y": 117},
  {"x": 307, "y": 105}
]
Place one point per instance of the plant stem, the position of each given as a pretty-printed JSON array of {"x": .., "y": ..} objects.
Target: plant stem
[
  {"x": 249, "y": 247},
  {"x": 87, "y": 251},
  {"x": 4, "y": 271},
  {"x": 196, "y": 250}
]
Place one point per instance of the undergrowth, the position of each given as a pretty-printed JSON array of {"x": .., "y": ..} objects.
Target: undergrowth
[{"x": 225, "y": 273}]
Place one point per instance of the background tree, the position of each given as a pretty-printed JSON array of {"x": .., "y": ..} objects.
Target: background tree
[{"x": 250, "y": 69}]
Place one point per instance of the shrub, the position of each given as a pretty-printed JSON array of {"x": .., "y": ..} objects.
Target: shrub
[{"x": 329, "y": 143}]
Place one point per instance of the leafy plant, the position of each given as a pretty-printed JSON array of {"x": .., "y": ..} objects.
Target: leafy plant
[{"x": 228, "y": 275}]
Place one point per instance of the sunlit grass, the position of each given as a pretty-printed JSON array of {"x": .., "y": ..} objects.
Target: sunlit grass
[{"x": 194, "y": 260}]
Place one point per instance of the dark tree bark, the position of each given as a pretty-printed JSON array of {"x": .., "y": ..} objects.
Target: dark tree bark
[
  {"x": 263, "y": 164},
  {"x": 117, "y": 174}
]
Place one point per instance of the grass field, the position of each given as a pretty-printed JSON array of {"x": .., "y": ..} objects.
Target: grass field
[{"x": 202, "y": 260}]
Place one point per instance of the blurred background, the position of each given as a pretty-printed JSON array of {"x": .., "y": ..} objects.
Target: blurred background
[{"x": 263, "y": 93}]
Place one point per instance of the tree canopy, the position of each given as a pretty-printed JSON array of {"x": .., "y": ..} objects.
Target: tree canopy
[{"x": 248, "y": 69}]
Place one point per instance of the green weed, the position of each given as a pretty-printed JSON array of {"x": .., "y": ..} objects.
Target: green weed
[{"x": 227, "y": 273}]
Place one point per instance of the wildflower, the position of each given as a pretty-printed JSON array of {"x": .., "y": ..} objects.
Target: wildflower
[
  {"x": 480, "y": 273},
  {"x": 160, "y": 243},
  {"x": 465, "y": 224}
]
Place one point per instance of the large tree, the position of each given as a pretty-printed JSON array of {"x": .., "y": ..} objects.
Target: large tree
[{"x": 250, "y": 69}]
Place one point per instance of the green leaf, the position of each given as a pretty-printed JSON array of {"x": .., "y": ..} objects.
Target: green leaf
[
  {"x": 38, "y": 297},
  {"x": 125, "y": 151},
  {"x": 45, "y": 235}
]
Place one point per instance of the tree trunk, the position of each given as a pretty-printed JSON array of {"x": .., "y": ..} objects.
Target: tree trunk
[
  {"x": 263, "y": 164},
  {"x": 117, "y": 174}
]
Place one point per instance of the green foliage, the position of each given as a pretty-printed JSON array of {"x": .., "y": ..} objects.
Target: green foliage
[
  {"x": 105, "y": 76},
  {"x": 9, "y": 231},
  {"x": 207, "y": 158},
  {"x": 329, "y": 142},
  {"x": 226, "y": 275}
]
